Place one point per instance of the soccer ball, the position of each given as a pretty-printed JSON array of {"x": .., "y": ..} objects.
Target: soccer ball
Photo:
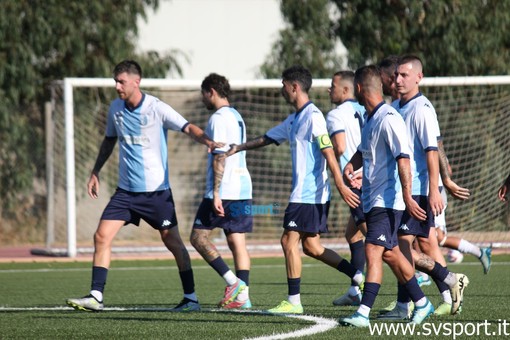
[{"x": 454, "y": 256}]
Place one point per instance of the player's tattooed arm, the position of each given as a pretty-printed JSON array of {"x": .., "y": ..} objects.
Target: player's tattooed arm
[
  {"x": 251, "y": 144},
  {"x": 218, "y": 169}
]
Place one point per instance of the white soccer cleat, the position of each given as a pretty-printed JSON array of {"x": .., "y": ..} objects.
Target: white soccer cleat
[{"x": 87, "y": 303}]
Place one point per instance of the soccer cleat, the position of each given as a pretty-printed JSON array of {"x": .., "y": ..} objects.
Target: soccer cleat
[
  {"x": 231, "y": 292},
  {"x": 87, "y": 303},
  {"x": 423, "y": 280},
  {"x": 457, "y": 292},
  {"x": 396, "y": 314},
  {"x": 186, "y": 305},
  {"x": 485, "y": 258},
  {"x": 421, "y": 313},
  {"x": 389, "y": 307},
  {"x": 286, "y": 307},
  {"x": 348, "y": 300},
  {"x": 355, "y": 320},
  {"x": 444, "y": 309},
  {"x": 237, "y": 304}
]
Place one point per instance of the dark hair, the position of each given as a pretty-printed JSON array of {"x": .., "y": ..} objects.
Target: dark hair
[
  {"x": 298, "y": 74},
  {"x": 407, "y": 58},
  {"x": 389, "y": 63},
  {"x": 347, "y": 75},
  {"x": 369, "y": 76},
  {"x": 128, "y": 66},
  {"x": 217, "y": 82}
]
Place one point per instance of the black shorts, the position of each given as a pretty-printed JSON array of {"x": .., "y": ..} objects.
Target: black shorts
[
  {"x": 156, "y": 208},
  {"x": 357, "y": 213},
  {"x": 238, "y": 216},
  {"x": 307, "y": 218},
  {"x": 382, "y": 225},
  {"x": 411, "y": 226}
]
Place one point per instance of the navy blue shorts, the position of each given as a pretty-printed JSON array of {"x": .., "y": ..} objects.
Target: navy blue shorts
[
  {"x": 238, "y": 216},
  {"x": 411, "y": 226},
  {"x": 156, "y": 208},
  {"x": 306, "y": 218},
  {"x": 382, "y": 226},
  {"x": 357, "y": 213}
]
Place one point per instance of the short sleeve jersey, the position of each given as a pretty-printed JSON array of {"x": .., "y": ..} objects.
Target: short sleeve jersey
[
  {"x": 423, "y": 132},
  {"x": 227, "y": 126},
  {"x": 348, "y": 118},
  {"x": 383, "y": 142},
  {"x": 310, "y": 183},
  {"x": 142, "y": 134}
]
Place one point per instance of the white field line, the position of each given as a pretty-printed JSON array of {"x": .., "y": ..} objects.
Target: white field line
[
  {"x": 321, "y": 324},
  {"x": 268, "y": 266}
]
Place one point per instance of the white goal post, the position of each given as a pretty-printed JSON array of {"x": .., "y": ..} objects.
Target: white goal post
[{"x": 463, "y": 118}]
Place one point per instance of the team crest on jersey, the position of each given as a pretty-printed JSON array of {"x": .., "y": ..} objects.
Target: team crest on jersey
[{"x": 144, "y": 120}]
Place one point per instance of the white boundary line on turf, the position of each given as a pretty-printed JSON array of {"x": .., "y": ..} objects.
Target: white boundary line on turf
[{"x": 321, "y": 324}]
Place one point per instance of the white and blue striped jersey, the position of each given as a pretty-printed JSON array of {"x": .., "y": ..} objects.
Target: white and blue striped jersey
[
  {"x": 383, "y": 142},
  {"x": 347, "y": 117},
  {"x": 227, "y": 126},
  {"x": 423, "y": 132},
  {"x": 310, "y": 183},
  {"x": 142, "y": 135}
]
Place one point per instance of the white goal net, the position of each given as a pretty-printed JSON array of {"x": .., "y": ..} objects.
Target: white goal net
[{"x": 474, "y": 115}]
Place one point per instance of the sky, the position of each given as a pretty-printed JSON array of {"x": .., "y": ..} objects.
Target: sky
[{"x": 230, "y": 37}]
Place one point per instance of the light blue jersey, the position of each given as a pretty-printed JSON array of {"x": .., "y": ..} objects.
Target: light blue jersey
[
  {"x": 383, "y": 142},
  {"x": 227, "y": 126},
  {"x": 423, "y": 132},
  {"x": 348, "y": 118},
  {"x": 142, "y": 135},
  {"x": 310, "y": 183}
]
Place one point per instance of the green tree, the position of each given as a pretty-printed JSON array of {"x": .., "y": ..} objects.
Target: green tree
[
  {"x": 308, "y": 40},
  {"x": 43, "y": 41},
  {"x": 453, "y": 37}
]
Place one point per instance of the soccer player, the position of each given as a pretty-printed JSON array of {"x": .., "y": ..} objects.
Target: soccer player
[
  {"x": 423, "y": 134},
  {"x": 140, "y": 123},
  {"x": 228, "y": 194},
  {"x": 344, "y": 125},
  {"x": 384, "y": 156},
  {"x": 388, "y": 66},
  {"x": 504, "y": 190},
  {"x": 306, "y": 215}
]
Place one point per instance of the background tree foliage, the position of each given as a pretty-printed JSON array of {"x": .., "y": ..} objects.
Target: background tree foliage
[
  {"x": 43, "y": 41},
  {"x": 454, "y": 37}
]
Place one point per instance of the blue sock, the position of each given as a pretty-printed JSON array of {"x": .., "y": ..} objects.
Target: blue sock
[
  {"x": 370, "y": 293},
  {"x": 99, "y": 275},
  {"x": 219, "y": 265},
  {"x": 439, "y": 272},
  {"x": 358, "y": 257},
  {"x": 294, "y": 285},
  {"x": 188, "y": 282},
  {"x": 402, "y": 294},
  {"x": 244, "y": 275},
  {"x": 414, "y": 289},
  {"x": 345, "y": 267}
]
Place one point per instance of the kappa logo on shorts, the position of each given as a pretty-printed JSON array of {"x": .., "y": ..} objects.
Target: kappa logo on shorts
[
  {"x": 166, "y": 223},
  {"x": 198, "y": 222},
  {"x": 382, "y": 238},
  {"x": 292, "y": 224},
  {"x": 403, "y": 227}
]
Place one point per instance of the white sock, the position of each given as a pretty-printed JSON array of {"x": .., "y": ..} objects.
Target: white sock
[
  {"x": 295, "y": 299},
  {"x": 467, "y": 247},
  {"x": 421, "y": 302},
  {"x": 358, "y": 277},
  {"x": 447, "y": 297},
  {"x": 451, "y": 279},
  {"x": 97, "y": 294},
  {"x": 364, "y": 310},
  {"x": 244, "y": 295},
  {"x": 230, "y": 278},
  {"x": 191, "y": 296}
]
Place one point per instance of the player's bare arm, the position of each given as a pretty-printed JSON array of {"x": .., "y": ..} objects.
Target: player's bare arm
[
  {"x": 352, "y": 173},
  {"x": 455, "y": 190},
  {"x": 347, "y": 194},
  {"x": 404, "y": 173},
  {"x": 339, "y": 146},
  {"x": 201, "y": 137},
  {"x": 251, "y": 144},
  {"x": 105, "y": 150},
  {"x": 218, "y": 169},
  {"x": 435, "y": 199}
]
